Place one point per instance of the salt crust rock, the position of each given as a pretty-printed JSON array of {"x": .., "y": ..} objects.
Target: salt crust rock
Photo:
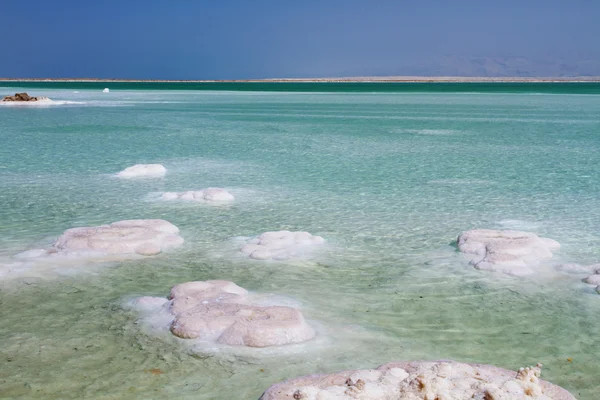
[
  {"x": 281, "y": 245},
  {"x": 143, "y": 171},
  {"x": 216, "y": 195},
  {"x": 595, "y": 278},
  {"x": 421, "y": 380},
  {"x": 145, "y": 237},
  {"x": 511, "y": 252},
  {"x": 221, "y": 312}
]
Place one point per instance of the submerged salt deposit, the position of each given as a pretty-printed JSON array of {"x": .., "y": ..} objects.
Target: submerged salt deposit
[
  {"x": 208, "y": 195},
  {"x": 143, "y": 171},
  {"x": 422, "y": 380},
  {"x": 511, "y": 252},
  {"x": 281, "y": 245},
  {"x": 224, "y": 313}
]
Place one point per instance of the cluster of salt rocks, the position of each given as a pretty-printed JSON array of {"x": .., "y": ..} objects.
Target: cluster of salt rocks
[
  {"x": 143, "y": 171},
  {"x": 222, "y": 312},
  {"x": 120, "y": 239},
  {"x": 421, "y": 380},
  {"x": 507, "y": 251},
  {"x": 281, "y": 245},
  {"x": 216, "y": 195}
]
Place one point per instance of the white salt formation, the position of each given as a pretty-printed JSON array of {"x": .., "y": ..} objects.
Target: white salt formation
[
  {"x": 421, "y": 380},
  {"x": 144, "y": 237},
  {"x": 281, "y": 245},
  {"x": 221, "y": 312},
  {"x": 210, "y": 195},
  {"x": 511, "y": 252},
  {"x": 143, "y": 171},
  {"x": 594, "y": 279}
]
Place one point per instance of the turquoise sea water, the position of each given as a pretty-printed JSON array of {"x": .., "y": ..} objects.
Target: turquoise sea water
[{"x": 388, "y": 178}]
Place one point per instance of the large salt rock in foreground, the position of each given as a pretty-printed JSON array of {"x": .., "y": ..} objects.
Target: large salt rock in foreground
[
  {"x": 211, "y": 195},
  {"x": 422, "y": 380},
  {"x": 222, "y": 312},
  {"x": 511, "y": 252},
  {"x": 281, "y": 245},
  {"x": 143, "y": 171},
  {"x": 134, "y": 237}
]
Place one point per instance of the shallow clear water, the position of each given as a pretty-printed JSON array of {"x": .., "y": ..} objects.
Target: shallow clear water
[{"x": 389, "y": 179}]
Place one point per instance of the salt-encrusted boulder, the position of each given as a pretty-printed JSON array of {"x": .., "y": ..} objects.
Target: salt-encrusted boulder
[
  {"x": 222, "y": 312},
  {"x": 211, "y": 195},
  {"x": 143, "y": 171},
  {"x": 138, "y": 236},
  {"x": 123, "y": 238},
  {"x": 281, "y": 245},
  {"x": 23, "y": 97},
  {"x": 421, "y": 380},
  {"x": 511, "y": 252}
]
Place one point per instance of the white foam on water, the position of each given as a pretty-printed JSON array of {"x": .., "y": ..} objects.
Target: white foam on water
[{"x": 40, "y": 103}]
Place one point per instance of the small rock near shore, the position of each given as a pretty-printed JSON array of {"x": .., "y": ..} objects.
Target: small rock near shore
[{"x": 23, "y": 97}]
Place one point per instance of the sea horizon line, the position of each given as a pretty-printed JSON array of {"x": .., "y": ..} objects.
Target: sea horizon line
[{"x": 359, "y": 79}]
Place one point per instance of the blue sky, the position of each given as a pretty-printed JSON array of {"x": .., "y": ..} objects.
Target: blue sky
[{"x": 234, "y": 39}]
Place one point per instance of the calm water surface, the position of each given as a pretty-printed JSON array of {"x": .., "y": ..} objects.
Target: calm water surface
[{"x": 388, "y": 178}]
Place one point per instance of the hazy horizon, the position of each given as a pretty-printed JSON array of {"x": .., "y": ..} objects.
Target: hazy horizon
[{"x": 266, "y": 39}]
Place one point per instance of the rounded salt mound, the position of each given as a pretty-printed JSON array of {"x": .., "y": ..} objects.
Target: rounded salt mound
[
  {"x": 138, "y": 236},
  {"x": 594, "y": 279},
  {"x": 213, "y": 195},
  {"x": 143, "y": 171},
  {"x": 422, "y": 380},
  {"x": 221, "y": 312},
  {"x": 281, "y": 245},
  {"x": 511, "y": 252}
]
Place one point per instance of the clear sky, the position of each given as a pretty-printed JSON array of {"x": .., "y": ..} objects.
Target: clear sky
[{"x": 238, "y": 39}]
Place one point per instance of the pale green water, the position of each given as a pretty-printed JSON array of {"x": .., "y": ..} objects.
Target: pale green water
[{"x": 389, "y": 179}]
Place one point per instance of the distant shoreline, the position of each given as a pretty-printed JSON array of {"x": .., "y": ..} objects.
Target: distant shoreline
[{"x": 364, "y": 79}]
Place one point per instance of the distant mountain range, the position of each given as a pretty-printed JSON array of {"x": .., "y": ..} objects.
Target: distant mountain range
[{"x": 455, "y": 65}]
